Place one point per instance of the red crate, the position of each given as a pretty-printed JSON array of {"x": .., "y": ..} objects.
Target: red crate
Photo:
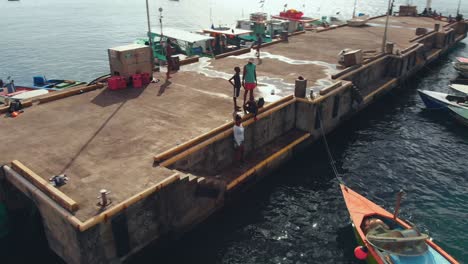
[
  {"x": 114, "y": 82},
  {"x": 137, "y": 81},
  {"x": 122, "y": 83},
  {"x": 145, "y": 77}
]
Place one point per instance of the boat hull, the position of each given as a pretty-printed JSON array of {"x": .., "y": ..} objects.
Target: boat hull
[
  {"x": 431, "y": 101},
  {"x": 460, "y": 114},
  {"x": 361, "y": 208}
]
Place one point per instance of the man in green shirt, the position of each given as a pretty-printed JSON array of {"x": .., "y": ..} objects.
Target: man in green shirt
[{"x": 249, "y": 79}]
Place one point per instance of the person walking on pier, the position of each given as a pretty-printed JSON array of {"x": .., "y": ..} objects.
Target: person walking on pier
[
  {"x": 169, "y": 53},
  {"x": 259, "y": 44},
  {"x": 236, "y": 85},
  {"x": 238, "y": 132},
  {"x": 249, "y": 80}
]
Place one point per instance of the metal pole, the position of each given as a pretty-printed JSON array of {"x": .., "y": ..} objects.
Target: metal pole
[
  {"x": 398, "y": 202},
  {"x": 458, "y": 8},
  {"x": 149, "y": 25},
  {"x": 150, "y": 37},
  {"x": 384, "y": 41},
  {"x": 428, "y": 4},
  {"x": 354, "y": 9}
]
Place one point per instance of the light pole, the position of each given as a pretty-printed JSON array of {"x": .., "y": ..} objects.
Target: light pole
[
  {"x": 160, "y": 20},
  {"x": 150, "y": 37},
  {"x": 384, "y": 41},
  {"x": 458, "y": 8},
  {"x": 149, "y": 25}
]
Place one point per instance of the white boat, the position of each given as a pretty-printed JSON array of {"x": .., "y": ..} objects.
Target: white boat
[
  {"x": 358, "y": 21},
  {"x": 460, "y": 88},
  {"x": 461, "y": 68},
  {"x": 436, "y": 100}
]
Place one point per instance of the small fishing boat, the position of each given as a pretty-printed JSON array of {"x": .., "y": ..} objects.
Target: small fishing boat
[
  {"x": 459, "y": 88},
  {"x": 460, "y": 114},
  {"x": 461, "y": 66},
  {"x": 436, "y": 100},
  {"x": 387, "y": 239},
  {"x": 358, "y": 21},
  {"x": 40, "y": 82}
]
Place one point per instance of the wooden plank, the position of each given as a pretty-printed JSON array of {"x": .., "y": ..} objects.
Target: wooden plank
[
  {"x": 68, "y": 92},
  {"x": 178, "y": 149},
  {"x": 328, "y": 89},
  {"x": 104, "y": 216},
  {"x": 43, "y": 185},
  {"x": 265, "y": 162},
  {"x": 220, "y": 136}
]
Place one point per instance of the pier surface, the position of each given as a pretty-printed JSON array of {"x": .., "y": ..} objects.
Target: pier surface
[{"x": 107, "y": 139}]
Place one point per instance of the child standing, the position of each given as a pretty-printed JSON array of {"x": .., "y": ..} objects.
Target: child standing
[{"x": 236, "y": 87}]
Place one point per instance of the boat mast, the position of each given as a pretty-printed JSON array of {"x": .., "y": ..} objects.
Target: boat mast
[
  {"x": 428, "y": 4},
  {"x": 458, "y": 8},
  {"x": 384, "y": 41},
  {"x": 354, "y": 9},
  {"x": 398, "y": 202}
]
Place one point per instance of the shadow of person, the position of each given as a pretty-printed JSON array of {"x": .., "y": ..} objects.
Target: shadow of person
[
  {"x": 163, "y": 87},
  {"x": 259, "y": 61}
]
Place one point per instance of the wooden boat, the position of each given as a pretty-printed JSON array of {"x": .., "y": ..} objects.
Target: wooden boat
[
  {"x": 460, "y": 114},
  {"x": 358, "y": 21},
  {"x": 436, "y": 100},
  {"x": 461, "y": 66},
  {"x": 459, "y": 88},
  {"x": 400, "y": 242}
]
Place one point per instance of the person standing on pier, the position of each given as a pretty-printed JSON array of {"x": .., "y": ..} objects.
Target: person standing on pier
[
  {"x": 259, "y": 44},
  {"x": 249, "y": 80},
  {"x": 169, "y": 53},
  {"x": 236, "y": 85},
  {"x": 238, "y": 132}
]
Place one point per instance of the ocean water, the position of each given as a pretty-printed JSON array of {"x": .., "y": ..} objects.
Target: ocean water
[{"x": 297, "y": 215}]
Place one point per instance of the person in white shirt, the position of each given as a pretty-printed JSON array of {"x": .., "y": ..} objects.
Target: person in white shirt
[{"x": 238, "y": 132}]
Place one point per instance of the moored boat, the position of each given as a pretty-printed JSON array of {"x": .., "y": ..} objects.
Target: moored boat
[
  {"x": 358, "y": 21},
  {"x": 461, "y": 66},
  {"x": 460, "y": 114},
  {"x": 459, "y": 88},
  {"x": 437, "y": 100},
  {"x": 387, "y": 239}
]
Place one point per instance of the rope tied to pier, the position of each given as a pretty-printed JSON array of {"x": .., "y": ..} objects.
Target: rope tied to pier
[{"x": 330, "y": 156}]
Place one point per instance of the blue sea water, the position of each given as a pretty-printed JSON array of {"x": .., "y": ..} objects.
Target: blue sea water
[{"x": 297, "y": 215}]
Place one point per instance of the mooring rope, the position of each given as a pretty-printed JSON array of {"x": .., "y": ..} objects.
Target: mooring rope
[{"x": 330, "y": 156}]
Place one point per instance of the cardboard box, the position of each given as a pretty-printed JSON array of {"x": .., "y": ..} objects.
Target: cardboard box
[
  {"x": 130, "y": 59},
  {"x": 352, "y": 58}
]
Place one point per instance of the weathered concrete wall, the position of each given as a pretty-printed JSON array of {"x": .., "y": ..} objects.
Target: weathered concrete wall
[
  {"x": 364, "y": 78},
  {"x": 59, "y": 232},
  {"x": 218, "y": 155},
  {"x": 173, "y": 209}
]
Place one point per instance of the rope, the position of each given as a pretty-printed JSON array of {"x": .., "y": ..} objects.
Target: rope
[{"x": 330, "y": 156}]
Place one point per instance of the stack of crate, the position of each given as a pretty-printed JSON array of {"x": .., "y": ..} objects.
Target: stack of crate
[{"x": 130, "y": 59}]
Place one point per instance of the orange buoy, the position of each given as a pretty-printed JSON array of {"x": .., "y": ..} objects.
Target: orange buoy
[
  {"x": 361, "y": 252},
  {"x": 14, "y": 114}
]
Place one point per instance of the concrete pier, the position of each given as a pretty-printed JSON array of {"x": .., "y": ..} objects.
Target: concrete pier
[{"x": 165, "y": 152}]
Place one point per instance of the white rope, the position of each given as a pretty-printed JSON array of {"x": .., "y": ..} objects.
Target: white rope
[{"x": 330, "y": 156}]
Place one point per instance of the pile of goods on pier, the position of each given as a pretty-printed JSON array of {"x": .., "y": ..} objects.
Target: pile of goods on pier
[
  {"x": 130, "y": 64},
  {"x": 258, "y": 17},
  {"x": 292, "y": 13}
]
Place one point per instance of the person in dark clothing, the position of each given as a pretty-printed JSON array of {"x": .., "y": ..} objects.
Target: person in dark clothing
[
  {"x": 169, "y": 53},
  {"x": 236, "y": 85},
  {"x": 251, "y": 107},
  {"x": 15, "y": 106},
  {"x": 259, "y": 44},
  {"x": 1, "y": 83}
]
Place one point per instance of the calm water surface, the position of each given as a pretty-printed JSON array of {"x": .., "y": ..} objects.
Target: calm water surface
[{"x": 297, "y": 215}]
